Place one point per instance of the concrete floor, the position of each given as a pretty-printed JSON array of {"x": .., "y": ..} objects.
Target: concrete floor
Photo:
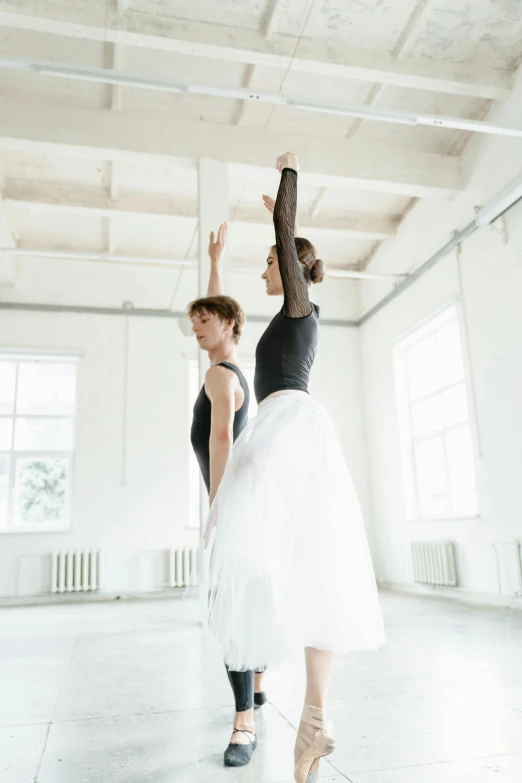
[{"x": 131, "y": 692}]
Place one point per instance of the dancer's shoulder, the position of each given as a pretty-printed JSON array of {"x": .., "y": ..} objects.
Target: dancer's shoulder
[{"x": 220, "y": 381}]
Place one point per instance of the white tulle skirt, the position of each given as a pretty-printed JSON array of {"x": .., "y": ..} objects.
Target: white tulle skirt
[{"x": 289, "y": 562}]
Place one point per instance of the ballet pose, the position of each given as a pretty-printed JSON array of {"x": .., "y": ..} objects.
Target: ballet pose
[
  {"x": 290, "y": 564},
  {"x": 220, "y": 415}
]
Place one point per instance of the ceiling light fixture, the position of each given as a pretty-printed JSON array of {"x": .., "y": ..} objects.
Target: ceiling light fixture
[
  {"x": 395, "y": 116},
  {"x": 475, "y": 126},
  {"x": 110, "y": 77},
  {"x": 360, "y": 112}
]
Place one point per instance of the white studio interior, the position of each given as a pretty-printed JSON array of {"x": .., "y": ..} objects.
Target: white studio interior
[{"x": 129, "y": 130}]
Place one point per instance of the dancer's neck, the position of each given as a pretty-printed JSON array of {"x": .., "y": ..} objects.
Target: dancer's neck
[{"x": 222, "y": 353}]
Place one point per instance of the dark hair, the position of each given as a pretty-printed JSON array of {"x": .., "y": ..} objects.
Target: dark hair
[
  {"x": 313, "y": 267},
  {"x": 226, "y": 308}
]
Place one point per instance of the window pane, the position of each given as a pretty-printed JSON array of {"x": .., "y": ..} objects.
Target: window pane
[
  {"x": 461, "y": 469},
  {"x": 7, "y": 386},
  {"x": 422, "y": 368},
  {"x": 44, "y": 435},
  {"x": 426, "y": 416},
  {"x": 450, "y": 354},
  {"x": 431, "y": 477},
  {"x": 455, "y": 404},
  {"x": 6, "y": 430},
  {"x": 41, "y": 489},
  {"x": 4, "y": 489},
  {"x": 46, "y": 388}
]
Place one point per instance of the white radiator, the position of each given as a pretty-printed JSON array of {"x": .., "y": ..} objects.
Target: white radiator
[
  {"x": 75, "y": 570},
  {"x": 434, "y": 562},
  {"x": 182, "y": 565}
]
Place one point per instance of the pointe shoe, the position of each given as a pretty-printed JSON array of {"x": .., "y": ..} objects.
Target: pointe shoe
[{"x": 320, "y": 743}]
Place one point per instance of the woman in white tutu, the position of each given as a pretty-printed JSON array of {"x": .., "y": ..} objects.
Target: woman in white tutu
[{"x": 290, "y": 565}]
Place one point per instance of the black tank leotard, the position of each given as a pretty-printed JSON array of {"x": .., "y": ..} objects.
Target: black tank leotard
[
  {"x": 200, "y": 431},
  {"x": 286, "y": 351},
  {"x": 242, "y": 682}
]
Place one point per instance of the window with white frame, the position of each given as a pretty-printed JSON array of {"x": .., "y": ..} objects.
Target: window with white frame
[
  {"x": 434, "y": 420},
  {"x": 247, "y": 367},
  {"x": 37, "y": 421}
]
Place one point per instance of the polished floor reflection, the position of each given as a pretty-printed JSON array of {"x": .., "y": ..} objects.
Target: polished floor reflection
[{"x": 132, "y": 692}]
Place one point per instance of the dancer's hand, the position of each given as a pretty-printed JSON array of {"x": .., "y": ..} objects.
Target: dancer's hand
[
  {"x": 287, "y": 161},
  {"x": 269, "y": 203},
  {"x": 207, "y": 538},
  {"x": 217, "y": 246}
]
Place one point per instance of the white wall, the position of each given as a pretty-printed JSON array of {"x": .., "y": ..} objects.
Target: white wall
[
  {"x": 133, "y": 523},
  {"x": 492, "y": 295}
]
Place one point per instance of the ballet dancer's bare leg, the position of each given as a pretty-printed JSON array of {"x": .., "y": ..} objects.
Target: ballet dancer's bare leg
[
  {"x": 318, "y": 670},
  {"x": 258, "y": 682},
  {"x": 314, "y": 738}
]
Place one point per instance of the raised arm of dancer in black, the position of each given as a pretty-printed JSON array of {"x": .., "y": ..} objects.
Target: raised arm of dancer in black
[{"x": 296, "y": 293}]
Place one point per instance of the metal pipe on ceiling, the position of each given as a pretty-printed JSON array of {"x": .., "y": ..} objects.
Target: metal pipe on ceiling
[
  {"x": 459, "y": 237},
  {"x": 140, "y": 312},
  {"x": 498, "y": 206},
  {"x": 173, "y": 263}
]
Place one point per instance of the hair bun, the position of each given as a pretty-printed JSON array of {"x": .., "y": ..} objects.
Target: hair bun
[{"x": 317, "y": 271}]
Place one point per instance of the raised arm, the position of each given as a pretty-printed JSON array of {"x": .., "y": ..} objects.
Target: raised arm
[
  {"x": 216, "y": 249},
  {"x": 296, "y": 294}
]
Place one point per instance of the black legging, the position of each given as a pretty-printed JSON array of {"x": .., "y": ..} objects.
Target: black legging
[{"x": 243, "y": 688}]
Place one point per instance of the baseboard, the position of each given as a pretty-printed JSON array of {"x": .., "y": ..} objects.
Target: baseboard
[
  {"x": 455, "y": 594},
  {"x": 442, "y": 593},
  {"x": 49, "y": 599}
]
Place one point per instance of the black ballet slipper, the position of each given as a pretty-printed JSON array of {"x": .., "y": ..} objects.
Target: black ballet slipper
[
  {"x": 259, "y": 699},
  {"x": 240, "y": 755}
]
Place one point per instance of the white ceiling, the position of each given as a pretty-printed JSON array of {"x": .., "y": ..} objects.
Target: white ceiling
[{"x": 73, "y": 190}]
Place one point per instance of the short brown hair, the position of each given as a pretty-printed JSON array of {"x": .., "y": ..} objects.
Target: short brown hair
[
  {"x": 313, "y": 267},
  {"x": 226, "y": 308}
]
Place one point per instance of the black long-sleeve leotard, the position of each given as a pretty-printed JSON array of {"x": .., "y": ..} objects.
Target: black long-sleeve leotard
[{"x": 286, "y": 351}]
